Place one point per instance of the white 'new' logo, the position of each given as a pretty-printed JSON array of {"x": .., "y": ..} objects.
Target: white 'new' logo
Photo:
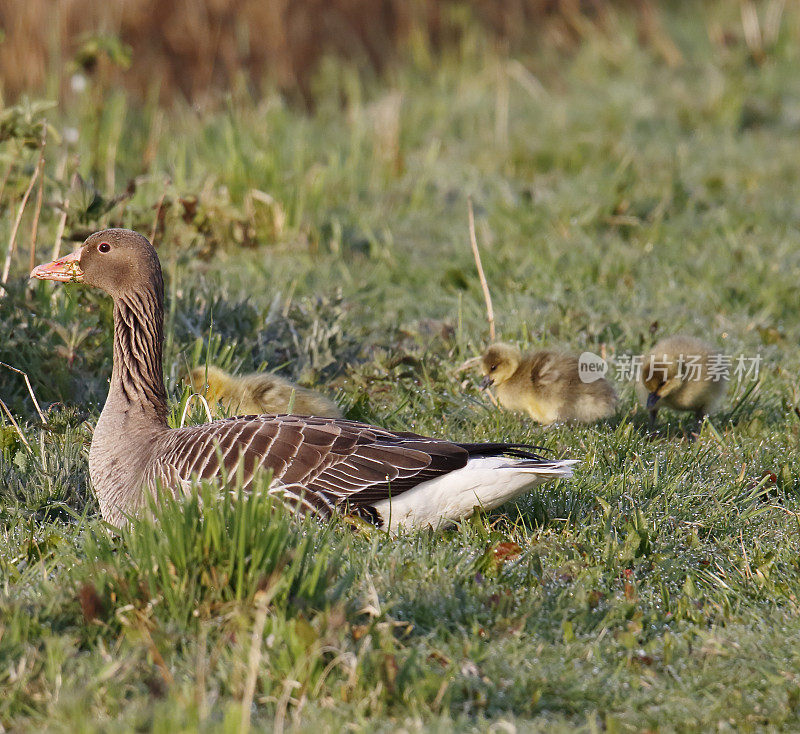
[{"x": 591, "y": 367}]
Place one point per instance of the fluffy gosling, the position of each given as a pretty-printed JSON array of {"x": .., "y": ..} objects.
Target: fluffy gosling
[
  {"x": 546, "y": 385},
  {"x": 682, "y": 373},
  {"x": 258, "y": 393}
]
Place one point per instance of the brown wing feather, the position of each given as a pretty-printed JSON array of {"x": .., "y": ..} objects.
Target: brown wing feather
[{"x": 328, "y": 461}]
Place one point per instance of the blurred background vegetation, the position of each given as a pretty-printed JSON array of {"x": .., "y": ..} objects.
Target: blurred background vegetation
[{"x": 195, "y": 49}]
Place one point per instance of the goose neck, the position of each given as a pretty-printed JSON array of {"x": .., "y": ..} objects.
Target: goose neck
[{"x": 137, "y": 380}]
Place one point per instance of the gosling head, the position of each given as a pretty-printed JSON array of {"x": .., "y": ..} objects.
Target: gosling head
[
  {"x": 117, "y": 261},
  {"x": 498, "y": 363},
  {"x": 207, "y": 381},
  {"x": 660, "y": 376}
]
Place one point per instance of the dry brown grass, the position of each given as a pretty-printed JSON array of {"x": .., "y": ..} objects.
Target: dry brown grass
[{"x": 197, "y": 47}]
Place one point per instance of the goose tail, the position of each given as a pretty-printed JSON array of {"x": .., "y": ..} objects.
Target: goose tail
[{"x": 551, "y": 469}]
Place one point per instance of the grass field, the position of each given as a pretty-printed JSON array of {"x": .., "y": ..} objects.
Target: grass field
[{"x": 617, "y": 200}]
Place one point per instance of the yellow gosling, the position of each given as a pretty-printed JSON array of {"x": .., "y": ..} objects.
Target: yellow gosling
[
  {"x": 258, "y": 393},
  {"x": 546, "y": 385},
  {"x": 682, "y": 373}
]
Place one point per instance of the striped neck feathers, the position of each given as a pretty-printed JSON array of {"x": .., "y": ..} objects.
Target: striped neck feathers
[{"x": 137, "y": 379}]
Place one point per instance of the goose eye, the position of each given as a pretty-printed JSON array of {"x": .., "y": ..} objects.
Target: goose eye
[{"x": 103, "y": 247}]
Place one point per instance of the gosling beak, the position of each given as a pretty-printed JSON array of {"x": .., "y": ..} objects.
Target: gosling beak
[
  {"x": 486, "y": 382},
  {"x": 66, "y": 269},
  {"x": 652, "y": 399}
]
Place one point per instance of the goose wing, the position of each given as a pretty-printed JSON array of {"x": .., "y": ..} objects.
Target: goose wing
[{"x": 324, "y": 463}]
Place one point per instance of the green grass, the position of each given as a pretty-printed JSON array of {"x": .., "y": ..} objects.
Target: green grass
[{"x": 658, "y": 590}]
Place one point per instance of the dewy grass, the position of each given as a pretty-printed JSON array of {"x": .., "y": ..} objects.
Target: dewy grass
[
  {"x": 210, "y": 549},
  {"x": 657, "y": 590}
]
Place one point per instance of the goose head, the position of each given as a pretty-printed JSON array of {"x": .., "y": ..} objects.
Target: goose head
[
  {"x": 498, "y": 363},
  {"x": 117, "y": 261}
]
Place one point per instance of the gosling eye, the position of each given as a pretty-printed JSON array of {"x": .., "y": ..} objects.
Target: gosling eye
[
  {"x": 104, "y": 247},
  {"x": 493, "y": 368}
]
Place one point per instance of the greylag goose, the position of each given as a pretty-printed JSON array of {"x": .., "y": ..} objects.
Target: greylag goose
[
  {"x": 258, "y": 393},
  {"x": 683, "y": 373},
  {"x": 324, "y": 465},
  {"x": 546, "y": 385}
]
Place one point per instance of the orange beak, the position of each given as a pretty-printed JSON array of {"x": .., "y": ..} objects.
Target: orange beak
[{"x": 66, "y": 269}]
